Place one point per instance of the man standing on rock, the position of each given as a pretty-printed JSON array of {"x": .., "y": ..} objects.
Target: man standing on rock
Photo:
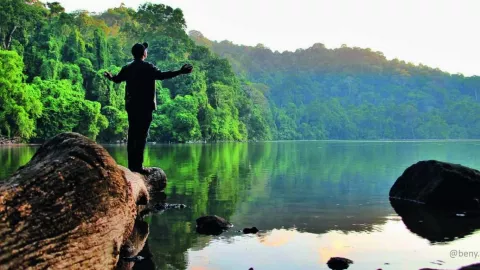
[{"x": 140, "y": 100}]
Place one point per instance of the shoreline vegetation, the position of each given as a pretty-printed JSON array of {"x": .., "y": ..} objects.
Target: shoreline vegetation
[
  {"x": 271, "y": 141},
  {"x": 53, "y": 66}
]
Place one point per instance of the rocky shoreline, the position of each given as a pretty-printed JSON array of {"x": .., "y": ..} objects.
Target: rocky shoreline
[{"x": 9, "y": 141}]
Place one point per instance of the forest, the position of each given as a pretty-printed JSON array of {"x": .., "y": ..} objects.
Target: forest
[
  {"x": 354, "y": 93},
  {"x": 51, "y": 66}
]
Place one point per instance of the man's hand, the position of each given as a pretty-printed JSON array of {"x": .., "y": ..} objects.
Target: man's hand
[
  {"x": 108, "y": 75},
  {"x": 187, "y": 68}
]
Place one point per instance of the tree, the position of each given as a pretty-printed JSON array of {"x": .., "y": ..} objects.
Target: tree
[
  {"x": 18, "y": 18},
  {"x": 19, "y": 102}
]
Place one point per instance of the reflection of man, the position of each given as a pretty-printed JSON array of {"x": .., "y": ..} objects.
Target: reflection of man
[{"x": 140, "y": 100}]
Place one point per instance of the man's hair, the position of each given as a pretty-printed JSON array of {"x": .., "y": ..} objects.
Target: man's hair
[{"x": 139, "y": 49}]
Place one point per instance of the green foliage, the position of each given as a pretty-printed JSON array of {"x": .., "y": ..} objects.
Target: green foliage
[
  {"x": 354, "y": 93},
  {"x": 19, "y": 102},
  {"x": 66, "y": 54},
  {"x": 241, "y": 93},
  {"x": 66, "y": 110}
]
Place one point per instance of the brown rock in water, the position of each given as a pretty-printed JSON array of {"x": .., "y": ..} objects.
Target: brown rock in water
[
  {"x": 70, "y": 207},
  {"x": 439, "y": 184}
]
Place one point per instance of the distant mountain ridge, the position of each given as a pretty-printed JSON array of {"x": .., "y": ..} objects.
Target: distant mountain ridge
[{"x": 354, "y": 93}]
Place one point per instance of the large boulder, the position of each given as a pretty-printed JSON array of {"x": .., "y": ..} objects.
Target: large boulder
[
  {"x": 439, "y": 184},
  {"x": 70, "y": 207}
]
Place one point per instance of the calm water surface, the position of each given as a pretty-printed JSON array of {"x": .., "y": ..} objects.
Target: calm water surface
[{"x": 311, "y": 201}]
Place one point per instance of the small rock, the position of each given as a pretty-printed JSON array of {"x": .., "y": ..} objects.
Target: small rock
[
  {"x": 156, "y": 178},
  {"x": 133, "y": 259},
  {"x": 212, "y": 225},
  {"x": 165, "y": 206},
  {"x": 338, "y": 263},
  {"x": 252, "y": 230}
]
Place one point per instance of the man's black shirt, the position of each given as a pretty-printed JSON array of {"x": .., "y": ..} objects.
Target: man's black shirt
[{"x": 140, "y": 89}]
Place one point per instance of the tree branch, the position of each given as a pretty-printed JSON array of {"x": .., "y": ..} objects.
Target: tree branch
[{"x": 8, "y": 38}]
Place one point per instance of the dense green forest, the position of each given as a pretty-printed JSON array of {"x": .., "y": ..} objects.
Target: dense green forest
[
  {"x": 354, "y": 93},
  {"x": 51, "y": 66}
]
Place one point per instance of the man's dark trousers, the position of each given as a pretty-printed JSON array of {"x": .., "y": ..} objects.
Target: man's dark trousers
[{"x": 139, "y": 120}]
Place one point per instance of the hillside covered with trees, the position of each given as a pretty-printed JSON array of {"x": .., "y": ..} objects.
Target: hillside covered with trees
[
  {"x": 355, "y": 93},
  {"x": 51, "y": 66}
]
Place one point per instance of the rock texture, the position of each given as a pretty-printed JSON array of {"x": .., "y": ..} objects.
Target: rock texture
[
  {"x": 70, "y": 207},
  {"x": 439, "y": 184}
]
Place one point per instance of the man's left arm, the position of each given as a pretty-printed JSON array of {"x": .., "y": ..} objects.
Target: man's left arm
[{"x": 159, "y": 75}]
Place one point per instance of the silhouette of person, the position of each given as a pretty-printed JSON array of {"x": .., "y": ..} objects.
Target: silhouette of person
[{"x": 140, "y": 100}]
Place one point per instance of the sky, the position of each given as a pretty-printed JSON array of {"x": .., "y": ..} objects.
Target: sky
[{"x": 442, "y": 34}]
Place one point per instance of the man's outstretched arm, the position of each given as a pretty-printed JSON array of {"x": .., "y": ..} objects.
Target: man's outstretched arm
[
  {"x": 120, "y": 77},
  {"x": 159, "y": 75}
]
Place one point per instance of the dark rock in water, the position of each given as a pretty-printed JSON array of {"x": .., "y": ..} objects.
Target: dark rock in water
[
  {"x": 433, "y": 224},
  {"x": 468, "y": 267},
  {"x": 252, "y": 230},
  {"x": 165, "y": 206},
  {"x": 212, "y": 225},
  {"x": 439, "y": 184},
  {"x": 338, "y": 263},
  {"x": 156, "y": 178},
  {"x": 471, "y": 267},
  {"x": 133, "y": 259}
]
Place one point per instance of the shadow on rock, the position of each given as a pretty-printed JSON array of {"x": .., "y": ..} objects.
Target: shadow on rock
[{"x": 433, "y": 224}]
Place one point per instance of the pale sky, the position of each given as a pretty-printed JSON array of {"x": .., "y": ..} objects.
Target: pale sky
[{"x": 437, "y": 33}]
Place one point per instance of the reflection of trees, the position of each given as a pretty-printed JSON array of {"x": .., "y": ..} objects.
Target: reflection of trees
[
  {"x": 313, "y": 186},
  {"x": 12, "y": 157}
]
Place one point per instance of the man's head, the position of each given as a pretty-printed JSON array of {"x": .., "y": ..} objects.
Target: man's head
[{"x": 139, "y": 51}]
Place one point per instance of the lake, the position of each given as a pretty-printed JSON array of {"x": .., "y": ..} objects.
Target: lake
[{"x": 311, "y": 200}]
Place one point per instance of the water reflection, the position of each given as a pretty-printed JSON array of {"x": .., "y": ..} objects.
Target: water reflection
[
  {"x": 14, "y": 156},
  {"x": 433, "y": 224},
  {"x": 310, "y": 200}
]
